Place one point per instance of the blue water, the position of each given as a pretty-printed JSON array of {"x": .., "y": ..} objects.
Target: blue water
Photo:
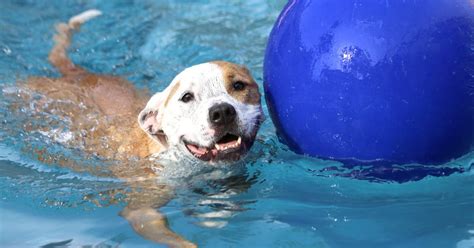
[{"x": 280, "y": 200}]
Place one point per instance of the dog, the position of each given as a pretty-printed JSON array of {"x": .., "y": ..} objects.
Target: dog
[{"x": 209, "y": 115}]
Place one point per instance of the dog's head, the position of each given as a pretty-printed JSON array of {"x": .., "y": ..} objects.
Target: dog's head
[{"x": 210, "y": 112}]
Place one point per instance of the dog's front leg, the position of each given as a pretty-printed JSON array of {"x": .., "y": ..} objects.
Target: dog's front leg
[
  {"x": 152, "y": 225},
  {"x": 143, "y": 201}
]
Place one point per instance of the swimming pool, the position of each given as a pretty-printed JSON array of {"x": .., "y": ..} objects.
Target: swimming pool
[{"x": 280, "y": 200}]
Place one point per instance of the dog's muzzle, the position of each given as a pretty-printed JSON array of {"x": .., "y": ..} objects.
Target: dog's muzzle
[{"x": 230, "y": 144}]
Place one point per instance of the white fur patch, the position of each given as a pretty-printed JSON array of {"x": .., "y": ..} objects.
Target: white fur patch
[{"x": 191, "y": 119}]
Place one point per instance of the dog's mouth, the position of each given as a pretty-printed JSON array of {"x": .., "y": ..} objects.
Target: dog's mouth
[{"x": 229, "y": 147}]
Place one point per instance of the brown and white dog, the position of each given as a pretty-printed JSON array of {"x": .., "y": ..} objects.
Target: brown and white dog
[{"x": 209, "y": 115}]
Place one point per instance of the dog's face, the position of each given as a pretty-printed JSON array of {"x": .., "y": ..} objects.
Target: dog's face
[{"x": 210, "y": 112}]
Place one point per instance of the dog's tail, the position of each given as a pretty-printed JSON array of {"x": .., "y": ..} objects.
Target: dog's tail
[{"x": 58, "y": 55}]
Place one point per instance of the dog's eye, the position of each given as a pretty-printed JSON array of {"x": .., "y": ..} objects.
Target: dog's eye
[
  {"x": 239, "y": 85},
  {"x": 187, "y": 97}
]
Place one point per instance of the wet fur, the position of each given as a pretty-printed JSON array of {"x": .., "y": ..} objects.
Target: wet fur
[
  {"x": 108, "y": 106},
  {"x": 115, "y": 104}
]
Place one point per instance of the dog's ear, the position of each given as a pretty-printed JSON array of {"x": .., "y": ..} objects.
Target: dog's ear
[{"x": 150, "y": 118}]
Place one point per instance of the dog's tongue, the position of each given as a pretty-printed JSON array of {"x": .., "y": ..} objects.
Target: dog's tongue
[{"x": 196, "y": 149}]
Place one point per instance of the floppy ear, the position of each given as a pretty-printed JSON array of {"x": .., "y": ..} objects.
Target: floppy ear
[{"x": 150, "y": 118}]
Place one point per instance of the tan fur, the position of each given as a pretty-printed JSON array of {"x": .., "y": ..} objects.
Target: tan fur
[
  {"x": 101, "y": 112},
  {"x": 104, "y": 110},
  {"x": 233, "y": 73},
  {"x": 117, "y": 104},
  {"x": 58, "y": 55},
  {"x": 171, "y": 94}
]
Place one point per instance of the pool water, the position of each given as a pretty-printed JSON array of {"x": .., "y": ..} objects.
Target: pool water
[{"x": 279, "y": 199}]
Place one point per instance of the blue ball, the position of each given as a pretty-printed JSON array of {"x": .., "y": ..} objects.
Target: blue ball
[{"x": 373, "y": 80}]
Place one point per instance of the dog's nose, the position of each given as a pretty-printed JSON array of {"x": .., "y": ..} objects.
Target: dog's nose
[{"x": 222, "y": 114}]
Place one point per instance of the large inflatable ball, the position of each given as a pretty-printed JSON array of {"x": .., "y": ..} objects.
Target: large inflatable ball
[{"x": 373, "y": 80}]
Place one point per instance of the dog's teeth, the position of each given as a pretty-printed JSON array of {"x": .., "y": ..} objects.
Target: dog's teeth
[{"x": 224, "y": 147}]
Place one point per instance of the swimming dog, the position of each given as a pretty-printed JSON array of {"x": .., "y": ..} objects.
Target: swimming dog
[{"x": 208, "y": 115}]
